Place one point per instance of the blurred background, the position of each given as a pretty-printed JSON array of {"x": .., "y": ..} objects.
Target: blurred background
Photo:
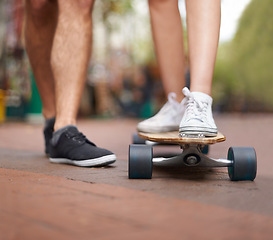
[{"x": 123, "y": 78}]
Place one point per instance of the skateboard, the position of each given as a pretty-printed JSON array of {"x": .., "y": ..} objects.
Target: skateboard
[{"x": 241, "y": 161}]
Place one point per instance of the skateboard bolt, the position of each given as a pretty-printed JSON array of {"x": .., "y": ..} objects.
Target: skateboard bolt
[{"x": 192, "y": 160}]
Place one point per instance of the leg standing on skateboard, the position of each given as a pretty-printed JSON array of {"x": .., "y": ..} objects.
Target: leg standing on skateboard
[{"x": 193, "y": 115}]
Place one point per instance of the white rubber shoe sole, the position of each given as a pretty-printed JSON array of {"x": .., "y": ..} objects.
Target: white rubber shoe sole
[{"x": 97, "y": 162}]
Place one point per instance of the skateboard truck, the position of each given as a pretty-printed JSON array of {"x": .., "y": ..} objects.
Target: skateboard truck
[{"x": 192, "y": 156}]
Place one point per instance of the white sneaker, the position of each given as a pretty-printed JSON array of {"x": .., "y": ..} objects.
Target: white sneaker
[
  {"x": 198, "y": 119},
  {"x": 167, "y": 119}
]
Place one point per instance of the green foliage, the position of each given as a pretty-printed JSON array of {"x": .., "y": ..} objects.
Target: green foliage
[
  {"x": 128, "y": 21},
  {"x": 245, "y": 66},
  {"x": 115, "y": 6}
]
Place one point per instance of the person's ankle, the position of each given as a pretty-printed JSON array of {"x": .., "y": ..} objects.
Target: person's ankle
[
  {"x": 205, "y": 90},
  {"x": 63, "y": 123},
  {"x": 48, "y": 114}
]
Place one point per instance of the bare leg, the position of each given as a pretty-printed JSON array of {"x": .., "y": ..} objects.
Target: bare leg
[
  {"x": 168, "y": 38},
  {"x": 169, "y": 46},
  {"x": 203, "y": 22},
  {"x": 70, "y": 57},
  {"x": 41, "y": 19}
]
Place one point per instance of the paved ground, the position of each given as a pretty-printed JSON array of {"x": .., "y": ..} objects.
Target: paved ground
[{"x": 41, "y": 200}]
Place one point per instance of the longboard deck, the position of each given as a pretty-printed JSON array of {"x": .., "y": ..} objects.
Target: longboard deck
[{"x": 173, "y": 138}]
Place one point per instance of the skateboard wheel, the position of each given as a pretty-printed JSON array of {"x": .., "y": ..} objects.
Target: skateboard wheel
[
  {"x": 244, "y": 165},
  {"x": 205, "y": 149},
  {"x": 140, "y": 162},
  {"x": 137, "y": 139}
]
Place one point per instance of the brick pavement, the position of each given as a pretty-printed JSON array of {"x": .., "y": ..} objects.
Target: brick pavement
[{"x": 44, "y": 200}]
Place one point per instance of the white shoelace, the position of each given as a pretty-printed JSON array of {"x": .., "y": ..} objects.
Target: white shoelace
[{"x": 194, "y": 107}]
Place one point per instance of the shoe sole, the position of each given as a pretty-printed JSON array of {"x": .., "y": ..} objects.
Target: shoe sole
[
  {"x": 97, "y": 162},
  {"x": 198, "y": 131},
  {"x": 158, "y": 129}
]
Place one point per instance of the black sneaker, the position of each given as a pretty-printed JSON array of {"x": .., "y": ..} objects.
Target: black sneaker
[
  {"x": 48, "y": 133},
  {"x": 70, "y": 146}
]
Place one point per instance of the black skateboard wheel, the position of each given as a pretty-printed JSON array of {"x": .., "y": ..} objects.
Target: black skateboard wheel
[
  {"x": 140, "y": 162},
  {"x": 205, "y": 149},
  {"x": 137, "y": 139},
  {"x": 244, "y": 165}
]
